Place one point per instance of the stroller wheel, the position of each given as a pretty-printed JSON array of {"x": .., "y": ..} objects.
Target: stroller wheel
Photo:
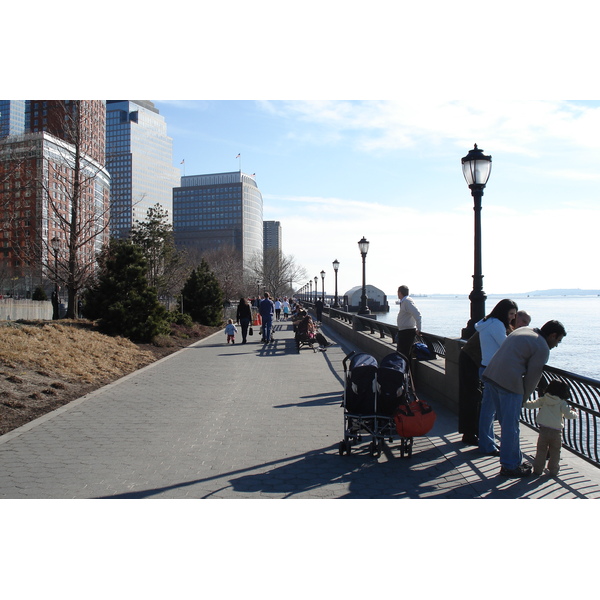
[
  {"x": 344, "y": 447},
  {"x": 374, "y": 449},
  {"x": 406, "y": 447}
]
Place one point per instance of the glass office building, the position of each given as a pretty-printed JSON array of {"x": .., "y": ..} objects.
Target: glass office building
[
  {"x": 139, "y": 157},
  {"x": 12, "y": 117},
  {"x": 272, "y": 236},
  {"x": 219, "y": 211}
]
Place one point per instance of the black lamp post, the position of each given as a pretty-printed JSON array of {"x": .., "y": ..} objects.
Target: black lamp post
[
  {"x": 363, "y": 246},
  {"x": 310, "y": 290},
  {"x": 476, "y": 168},
  {"x": 55, "y": 300},
  {"x": 316, "y": 288},
  {"x": 323, "y": 287},
  {"x": 336, "y": 266}
]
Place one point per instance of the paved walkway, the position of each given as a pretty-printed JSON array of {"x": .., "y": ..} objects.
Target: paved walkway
[{"x": 248, "y": 421}]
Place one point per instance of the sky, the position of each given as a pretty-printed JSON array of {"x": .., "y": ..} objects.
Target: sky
[
  {"x": 354, "y": 119},
  {"x": 333, "y": 171}
]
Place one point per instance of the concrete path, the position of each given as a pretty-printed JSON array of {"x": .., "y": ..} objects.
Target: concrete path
[{"x": 248, "y": 421}]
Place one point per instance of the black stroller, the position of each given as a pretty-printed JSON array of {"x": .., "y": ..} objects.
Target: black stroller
[
  {"x": 360, "y": 393},
  {"x": 372, "y": 395},
  {"x": 394, "y": 387}
]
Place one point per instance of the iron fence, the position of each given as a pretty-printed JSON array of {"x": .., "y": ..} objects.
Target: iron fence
[{"x": 580, "y": 435}]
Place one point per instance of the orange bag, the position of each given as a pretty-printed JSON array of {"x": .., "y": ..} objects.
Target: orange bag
[{"x": 414, "y": 419}]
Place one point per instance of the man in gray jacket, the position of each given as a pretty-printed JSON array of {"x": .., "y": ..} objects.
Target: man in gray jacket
[{"x": 510, "y": 378}]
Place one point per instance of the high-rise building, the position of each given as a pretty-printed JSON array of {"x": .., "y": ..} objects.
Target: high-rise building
[
  {"x": 272, "y": 236},
  {"x": 79, "y": 122},
  {"x": 12, "y": 117},
  {"x": 37, "y": 201},
  {"x": 139, "y": 157},
  {"x": 219, "y": 211}
]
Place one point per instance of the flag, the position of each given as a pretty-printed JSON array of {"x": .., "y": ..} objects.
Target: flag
[
  {"x": 238, "y": 155},
  {"x": 182, "y": 162}
]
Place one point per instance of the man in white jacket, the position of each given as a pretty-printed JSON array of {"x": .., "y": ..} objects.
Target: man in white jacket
[{"x": 409, "y": 322}]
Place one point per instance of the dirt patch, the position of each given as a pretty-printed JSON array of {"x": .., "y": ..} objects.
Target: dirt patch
[{"x": 45, "y": 365}]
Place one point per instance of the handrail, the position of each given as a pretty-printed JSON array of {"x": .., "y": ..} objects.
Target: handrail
[{"x": 580, "y": 435}]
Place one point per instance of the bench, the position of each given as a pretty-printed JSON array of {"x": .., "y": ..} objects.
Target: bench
[{"x": 302, "y": 339}]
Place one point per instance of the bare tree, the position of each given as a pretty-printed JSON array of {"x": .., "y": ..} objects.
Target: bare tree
[
  {"x": 226, "y": 264},
  {"x": 77, "y": 198},
  {"x": 276, "y": 271}
]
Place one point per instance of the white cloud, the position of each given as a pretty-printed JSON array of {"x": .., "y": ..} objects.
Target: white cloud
[{"x": 522, "y": 249}]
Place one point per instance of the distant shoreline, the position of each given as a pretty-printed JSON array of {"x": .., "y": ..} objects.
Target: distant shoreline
[{"x": 536, "y": 293}]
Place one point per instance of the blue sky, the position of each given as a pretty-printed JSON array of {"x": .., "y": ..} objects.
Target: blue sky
[
  {"x": 427, "y": 81},
  {"x": 389, "y": 170}
]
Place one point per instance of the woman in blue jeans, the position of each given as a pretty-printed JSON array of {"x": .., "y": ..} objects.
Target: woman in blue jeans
[{"x": 492, "y": 330}]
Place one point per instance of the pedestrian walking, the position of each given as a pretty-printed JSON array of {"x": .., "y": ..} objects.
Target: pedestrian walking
[
  {"x": 266, "y": 311},
  {"x": 230, "y": 331},
  {"x": 244, "y": 317}
]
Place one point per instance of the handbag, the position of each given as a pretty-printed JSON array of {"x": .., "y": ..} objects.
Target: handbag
[
  {"x": 250, "y": 331},
  {"x": 414, "y": 419}
]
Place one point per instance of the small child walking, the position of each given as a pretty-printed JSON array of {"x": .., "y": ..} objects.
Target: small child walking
[
  {"x": 550, "y": 418},
  {"x": 230, "y": 331}
]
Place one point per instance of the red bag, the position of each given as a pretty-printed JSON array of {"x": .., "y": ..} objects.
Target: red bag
[{"x": 414, "y": 419}]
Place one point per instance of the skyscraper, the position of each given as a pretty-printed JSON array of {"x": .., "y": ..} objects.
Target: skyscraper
[
  {"x": 78, "y": 122},
  {"x": 52, "y": 229},
  {"x": 272, "y": 236},
  {"x": 219, "y": 211},
  {"x": 12, "y": 117},
  {"x": 139, "y": 157}
]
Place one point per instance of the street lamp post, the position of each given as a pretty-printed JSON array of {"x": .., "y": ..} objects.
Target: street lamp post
[
  {"x": 310, "y": 290},
  {"x": 55, "y": 301},
  {"x": 363, "y": 246},
  {"x": 476, "y": 168},
  {"x": 316, "y": 289},
  {"x": 323, "y": 287},
  {"x": 336, "y": 266}
]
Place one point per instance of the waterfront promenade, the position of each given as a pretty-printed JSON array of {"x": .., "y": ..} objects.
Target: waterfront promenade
[{"x": 249, "y": 421}]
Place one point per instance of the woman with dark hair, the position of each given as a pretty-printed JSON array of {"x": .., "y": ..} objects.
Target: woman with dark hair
[
  {"x": 309, "y": 328},
  {"x": 244, "y": 317},
  {"x": 492, "y": 330}
]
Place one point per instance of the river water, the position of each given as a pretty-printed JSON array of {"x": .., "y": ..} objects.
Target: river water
[{"x": 579, "y": 351}]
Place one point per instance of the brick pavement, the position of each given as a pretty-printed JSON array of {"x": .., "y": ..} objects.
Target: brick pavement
[{"x": 248, "y": 421}]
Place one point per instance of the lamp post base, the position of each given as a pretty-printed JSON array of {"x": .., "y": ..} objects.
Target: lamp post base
[{"x": 477, "y": 298}]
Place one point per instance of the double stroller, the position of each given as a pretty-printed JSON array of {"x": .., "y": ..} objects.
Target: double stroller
[{"x": 373, "y": 396}]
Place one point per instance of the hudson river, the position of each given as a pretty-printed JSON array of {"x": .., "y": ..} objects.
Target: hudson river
[{"x": 579, "y": 351}]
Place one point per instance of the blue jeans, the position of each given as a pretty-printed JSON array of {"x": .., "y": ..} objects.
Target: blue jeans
[
  {"x": 267, "y": 325},
  {"x": 487, "y": 414},
  {"x": 508, "y": 408}
]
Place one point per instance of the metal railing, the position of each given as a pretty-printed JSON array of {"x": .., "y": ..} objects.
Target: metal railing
[
  {"x": 434, "y": 342},
  {"x": 580, "y": 435}
]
